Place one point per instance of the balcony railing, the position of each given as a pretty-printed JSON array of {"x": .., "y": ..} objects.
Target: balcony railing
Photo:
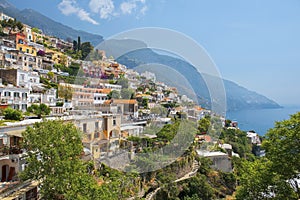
[{"x": 6, "y": 150}]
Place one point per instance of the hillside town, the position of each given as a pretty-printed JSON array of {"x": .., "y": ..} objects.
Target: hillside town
[{"x": 47, "y": 78}]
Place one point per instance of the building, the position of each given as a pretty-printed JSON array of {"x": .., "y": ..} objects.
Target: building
[
  {"x": 42, "y": 96},
  {"x": 220, "y": 160},
  {"x": 14, "y": 97},
  {"x": 5, "y": 17},
  {"x": 19, "y": 78},
  {"x": 124, "y": 106}
]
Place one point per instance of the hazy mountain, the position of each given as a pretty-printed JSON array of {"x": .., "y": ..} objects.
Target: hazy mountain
[
  {"x": 47, "y": 25},
  {"x": 237, "y": 97}
]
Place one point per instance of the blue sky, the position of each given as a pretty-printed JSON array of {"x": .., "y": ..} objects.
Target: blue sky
[{"x": 254, "y": 43}]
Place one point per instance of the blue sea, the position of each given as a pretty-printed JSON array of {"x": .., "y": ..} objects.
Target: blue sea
[{"x": 261, "y": 120}]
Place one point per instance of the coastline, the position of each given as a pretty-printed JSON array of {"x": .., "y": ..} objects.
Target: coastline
[{"x": 261, "y": 120}]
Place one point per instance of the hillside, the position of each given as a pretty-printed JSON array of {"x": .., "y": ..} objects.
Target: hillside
[
  {"x": 237, "y": 97},
  {"x": 47, "y": 25}
]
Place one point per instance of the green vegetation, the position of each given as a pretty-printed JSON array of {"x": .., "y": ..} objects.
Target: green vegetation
[
  {"x": 114, "y": 94},
  {"x": 39, "y": 110},
  {"x": 13, "y": 25},
  {"x": 12, "y": 114},
  {"x": 54, "y": 150},
  {"x": 65, "y": 92},
  {"x": 274, "y": 175},
  {"x": 127, "y": 93}
]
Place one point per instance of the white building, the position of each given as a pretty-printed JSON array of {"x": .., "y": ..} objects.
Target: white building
[
  {"x": 14, "y": 97},
  {"x": 149, "y": 76},
  {"x": 5, "y": 17},
  {"x": 253, "y": 137}
]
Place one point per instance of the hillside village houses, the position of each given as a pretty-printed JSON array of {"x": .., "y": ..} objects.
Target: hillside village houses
[{"x": 29, "y": 75}]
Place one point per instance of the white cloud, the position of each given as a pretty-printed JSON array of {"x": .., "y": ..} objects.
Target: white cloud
[
  {"x": 127, "y": 7},
  {"x": 105, "y": 8},
  {"x": 85, "y": 16},
  {"x": 144, "y": 10},
  {"x": 68, "y": 7}
]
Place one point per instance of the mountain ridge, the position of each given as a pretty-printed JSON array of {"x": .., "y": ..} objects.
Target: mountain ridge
[{"x": 47, "y": 25}]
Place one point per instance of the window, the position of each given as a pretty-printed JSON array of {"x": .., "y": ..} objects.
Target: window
[
  {"x": 114, "y": 122},
  {"x": 27, "y": 50},
  {"x": 7, "y": 94},
  {"x": 16, "y": 94},
  {"x": 84, "y": 127},
  {"x": 97, "y": 126},
  {"x": 24, "y": 107}
]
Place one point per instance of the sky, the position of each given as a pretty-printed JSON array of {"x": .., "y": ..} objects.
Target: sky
[{"x": 253, "y": 43}]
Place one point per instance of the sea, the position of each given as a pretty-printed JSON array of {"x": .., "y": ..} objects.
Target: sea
[{"x": 261, "y": 120}]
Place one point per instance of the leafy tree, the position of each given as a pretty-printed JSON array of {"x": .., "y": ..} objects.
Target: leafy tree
[
  {"x": 274, "y": 176},
  {"x": 197, "y": 188},
  {"x": 203, "y": 125},
  {"x": 123, "y": 82},
  {"x": 12, "y": 114},
  {"x": 282, "y": 145},
  {"x": 39, "y": 110},
  {"x": 145, "y": 103},
  {"x": 75, "y": 45},
  {"x": 127, "y": 93},
  {"x": 86, "y": 48},
  {"x": 65, "y": 92},
  {"x": 54, "y": 150},
  {"x": 114, "y": 94},
  {"x": 36, "y": 30},
  {"x": 159, "y": 110}
]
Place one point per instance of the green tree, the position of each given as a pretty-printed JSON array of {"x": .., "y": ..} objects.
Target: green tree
[
  {"x": 54, "y": 150},
  {"x": 159, "y": 110},
  {"x": 65, "y": 92},
  {"x": 203, "y": 125},
  {"x": 123, "y": 82},
  {"x": 114, "y": 94},
  {"x": 282, "y": 145},
  {"x": 12, "y": 114},
  {"x": 274, "y": 176},
  {"x": 35, "y": 30},
  {"x": 39, "y": 110},
  {"x": 86, "y": 48},
  {"x": 127, "y": 93}
]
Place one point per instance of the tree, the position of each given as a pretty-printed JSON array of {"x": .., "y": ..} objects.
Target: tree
[
  {"x": 123, "y": 82},
  {"x": 78, "y": 43},
  {"x": 75, "y": 45},
  {"x": 274, "y": 176},
  {"x": 12, "y": 114},
  {"x": 282, "y": 145},
  {"x": 39, "y": 110},
  {"x": 54, "y": 150},
  {"x": 114, "y": 95},
  {"x": 203, "y": 125},
  {"x": 127, "y": 93},
  {"x": 86, "y": 48},
  {"x": 36, "y": 30},
  {"x": 65, "y": 92},
  {"x": 159, "y": 110}
]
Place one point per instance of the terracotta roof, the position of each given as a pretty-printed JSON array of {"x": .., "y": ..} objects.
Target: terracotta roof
[
  {"x": 121, "y": 101},
  {"x": 106, "y": 90},
  {"x": 125, "y": 101}
]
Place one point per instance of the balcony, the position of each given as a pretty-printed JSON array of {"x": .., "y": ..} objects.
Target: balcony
[{"x": 6, "y": 150}]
